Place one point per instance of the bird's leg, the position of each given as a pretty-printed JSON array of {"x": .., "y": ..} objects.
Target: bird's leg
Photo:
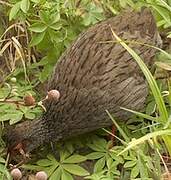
[
  {"x": 111, "y": 137},
  {"x": 113, "y": 132}
]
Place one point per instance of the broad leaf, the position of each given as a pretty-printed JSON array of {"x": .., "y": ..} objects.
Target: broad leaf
[
  {"x": 66, "y": 176},
  {"x": 37, "y": 38},
  {"x": 99, "y": 165},
  {"x": 38, "y": 27},
  {"x": 14, "y": 10},
  {"x": 75, "y": 169},
  {"x": 44, "y": 162},
  {"x": 130, "y": 164},
  {"x": 75, "y": 159},
  {"x": 25, "y": 5},
  {"x": 95, "y": 155},
  {"x": 134, "y": 172},
  {"x": 56, "y": 174}
]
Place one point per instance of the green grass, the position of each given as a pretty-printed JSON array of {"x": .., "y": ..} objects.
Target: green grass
[{"x": 163, "y": 114}]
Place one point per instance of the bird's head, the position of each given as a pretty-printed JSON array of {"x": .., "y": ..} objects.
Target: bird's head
[{"x": 23, "y": 138}]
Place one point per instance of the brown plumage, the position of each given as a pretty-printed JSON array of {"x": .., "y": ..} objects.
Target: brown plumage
[{"x": 92, "y": 76}]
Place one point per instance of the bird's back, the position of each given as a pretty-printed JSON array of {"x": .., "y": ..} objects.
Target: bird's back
[{"x": 97, "y": 74}]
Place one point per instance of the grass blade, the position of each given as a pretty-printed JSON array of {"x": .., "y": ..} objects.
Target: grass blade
[
  {"x": 154, "y": 88},
  {"x": 118, "y": 127},
  {"x": 148, "y": 136},
  {"x": 152, "y": 83}
]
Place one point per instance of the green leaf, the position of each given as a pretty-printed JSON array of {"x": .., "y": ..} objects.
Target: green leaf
[
  {"x": 130, "y": 158},
  {"x": 144, "y": 138},
  {"x": 29, "y": 115},
  {"x": 135, "y": 172},
  {"x": 52, "y": 158},
  {"x": 45, "y": 72},
  {"x": 99, "y": 145},
  {"x": 75, "y": 169},
  {"x": 56, "y": 26},
  {"x": 70, "y": 147},
  {"x": 25, "y": 5},
  {"x": 14, "y": 10},
  {"x": 87, "y": 20},
  {"x": 5, "y": 172},
  {"x": 51, "y": 169},
  {"x": 38, "y": 27},
  {"x": 44, "y": 16},
  {"x": 45, "y": 162},
  {"x": 150, "y": 108},
  {"x": 5, "y": 107},
  {"x": 66, "y": 176},
  {"x": 123, "y": 3},
  {"x": 64, "y": 154},
  {"x": 163, "y": 12},
  {"x": 56, "y": 36},
  {"x": 101, "y": 142},
  {"x": 142, "y": 168},
  {"x": 161, "y": 23},
  {"x": 75, "y": 159},
  {"x": 5, "y": 117},
  {"x": 56, "y": 174},
  {"x": 129, "y": 164},
  {"x": 94, "y": 14},
  {"x": 95, "y": 155},
  {"x": 98, "y": 176},
  {"x": 42, "y": 62},
  {"x": 17, "y": 117},
  {"x": 12, "y": 117},
  {"x": 55, "y": 17},
  {"x": 24, "y": 109},
  {"x": 116, "y": 158},
  {"x": 36, "y": 1},
  {"x": 99, "y": 165},
  {"x": 166, "y": 5},
  {"x": 31, "y": 167},
  {"x": 2, "y": 160},
  {"x": 37, "y": 38},
  {"x": 110, "y": 163}
]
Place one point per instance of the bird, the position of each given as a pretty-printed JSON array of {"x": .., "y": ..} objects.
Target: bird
[{"x": 93, "y": 75}]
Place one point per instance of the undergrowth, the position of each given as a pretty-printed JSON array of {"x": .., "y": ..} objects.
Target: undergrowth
[{"x": 33, "y": 35}]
